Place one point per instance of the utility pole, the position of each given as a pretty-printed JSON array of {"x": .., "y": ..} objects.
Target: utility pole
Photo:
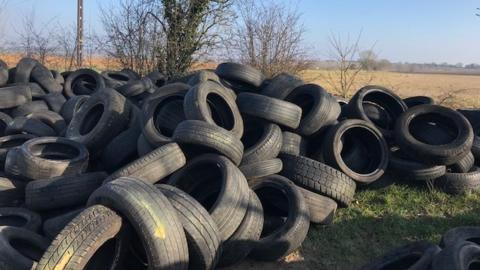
[{"x": 79, "y": 45}]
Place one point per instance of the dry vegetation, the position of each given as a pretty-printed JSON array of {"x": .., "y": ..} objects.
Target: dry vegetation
[{"x": 450, "y": 90}]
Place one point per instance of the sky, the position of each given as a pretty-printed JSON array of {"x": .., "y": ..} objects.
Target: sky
[{"x": 420, "y": 31}]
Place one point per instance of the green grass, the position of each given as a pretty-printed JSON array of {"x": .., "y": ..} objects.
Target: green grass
[{"x": 384, "y": 218}]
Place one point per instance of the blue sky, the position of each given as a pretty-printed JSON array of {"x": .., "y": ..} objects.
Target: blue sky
[{"x": 409, "y": 30}]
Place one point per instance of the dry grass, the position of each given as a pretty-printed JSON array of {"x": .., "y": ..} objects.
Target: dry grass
[{"x": 450, "y": 90}]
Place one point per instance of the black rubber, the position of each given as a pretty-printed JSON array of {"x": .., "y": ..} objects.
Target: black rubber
[
  {"x": 13, "y": 96},
  {"x": 135, "y": 87},
  {"x": 12, "y": 192},
  {"x": 114, "y": 79},
  {"x": 289, "y": 236},
  {"x": 122, "y": 149},
  {"x": 54, "y": 101},
  {"x": 413, "y": 256},
  {"x": 319, "y": 108},
  {"x": 281, "y": 85},
  {"x": 100, "y": 119},
  {"x": 11, "y": 141},
  {"x": 158, "y": 79},
  {"x": 72, "y": 87},
  {"x": 391, "y": 104},
  {"x": 158, "y": 113},
  {"x": 446, "y": 152},
  {"x": 54, "y": 225},
  {"x": 62, "y": 191},
  {"x": 5, "y": 120},
  {"x": 203, "y": 237},
  {"x": 92, "y": 240},
  {"x": 72, "y": 106},
  {"x": 319, "y": 178},
  {"x": 47, "y": 157},
  {"x": 51, "y": 119},
  {"x": 25, "y": 125},
  {"x": 143, "y": 146},
  {"x": 30, "y": 107},
  {"x": 241, "y": 74},
  {"x": 219, "y": 186},
  {"x": 463, "y": 165},
  {"x": 355, "y": 131},
  {"x": 20, "y": 248},
  {"x": 201, "y": 137},
  {"x": 271, "y": 109},
  {"x": 418, "y": 100},
  {"x": 460, "y": 234},
  {"x": 24, "y": 69},
  {"x": 261, "y": 141},
  {"x": 414, "y": 170},
  {"x": 21, "y": 218},
  {"x": 153, "y": 218},
  {"x": 321, "y": 208},
  {"x": 57, "y": 76},
  {"x": 41, "y": 75},
  {"x": 460, "y": 183},
  {"x": 203, "y": 76},
  {"x": 293, "y": 144},
  {"x": 154, "y": 166},
  {"x": 3, "y": 73},
  {"x": 461, "y": 255},
  {"x": 261, "y": 168},
  {"x": 210, "y": 102},
  {"x": 241, "y": 243}
]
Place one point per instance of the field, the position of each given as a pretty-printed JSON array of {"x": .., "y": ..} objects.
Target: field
[{"x": 392, "y": 212}]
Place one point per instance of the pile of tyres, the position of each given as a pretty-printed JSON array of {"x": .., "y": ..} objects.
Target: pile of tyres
[
  {"x": 112, "y": 170},
  {"x": 458, "y": 249}
]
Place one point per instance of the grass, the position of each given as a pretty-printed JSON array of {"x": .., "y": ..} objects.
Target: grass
[{"x": 380, "y": 218}]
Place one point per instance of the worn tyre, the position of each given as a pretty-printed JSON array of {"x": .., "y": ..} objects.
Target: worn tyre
[
  {"x": 72, "y": 106},
  {"x": 28, "y": 108},
  {"x": 461, "y": 255},
  {"x": 240, "y": 74},
  {"x": 293, "y": 144},
  {"x": 41, "y": 75},
  {"x": 414, "y": 170},
  {"x": 281, "y": 85},
  {"x": 463, "y": 165},
  {"x": 460, "y": 183},
  {"x": 13, "y": 96},
  {"x": 321, "y": 208},
  {"x": 12, "y": 192},
  {"x": 25, "y": 125},
  {"x": 157, "y": 225},
  {"x": 73, "y": 88},
  {"x": 418, "y": 100},
  {"x": 262, "y": 168},
  {"x": 53, "y": 226},
  {"x": 261, "y": 141}
]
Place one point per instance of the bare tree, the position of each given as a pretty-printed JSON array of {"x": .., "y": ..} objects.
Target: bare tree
[
  {"x": 368, "y": 60},
  {"x": 269, "y": 36},
  {"x": 348, "y": 73},
  {"x": 66, "y": 46},
  {"x": 36, "y": 39},
  {"x": 165, "y": 34}
]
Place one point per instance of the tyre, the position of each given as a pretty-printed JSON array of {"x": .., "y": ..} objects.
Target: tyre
[
  {"x": 199, "y": 137},
  {"x": 290, "y": 235},
  {"x": 53, "y": 226},
  {"x": 131, "y": 73},
  {"x": 28, "y": 108},
  {"x": 415, "y": 256},
  {"x": 62, "y": 191},
  {"x": 241, "y": 243},
  {"x": 158, "y": 227},
  {"x": 461, "y": 255},
  {"x": 121, "y": 150},
  {"x": 262, "y": 168},
  {"x": 271, "y": 109},
  {"x": 72, "y": 86},
  {"x": 414, "y": 170},
  {"x": 55, "y": 101},
  {"x": 219, "y": 186},
  {"x": 463, "y": 165},
  {"x": 321, "y": 208},
  {"x": 354, "y": 131},
  {"x": 41, "y": 75},
  {"x": 20, "y": 218},
  {"x": 319, "y": 178},
  {"x": 203, "y": 76},
  {"x": 135, "y": 87},
  {"x": 100, "y": 119},
  {"x": 51, "y": 119},
  {"x": 143, "y": 146},
  {"x": 114, "y": 79},
  {"x": 12, "y": 192},
  {"x": 281, "y": 85},
  {"x": 5, "y": 120},
  {"x": 418, "y": 100},
  {"x": 47, "y": 157},
  {"x": 214, "y": 104},
  {"x": 72, "y": 106},
  {"x": 262, "y": 141},
  {"x": 384, "y": 98},
  {"x": 91, "y": 239},
  {"x": 240, "y": 74},
  {"x": 24, "y": 125},
  {"x": 460, "y": 234},
  {"x": 160, "y": 110},
  {"x": 460, "y": 183},
  {"x": 293, "y": 144},
  {"x": 154, "y": 166},
  {"x": 319, "y": 108},
  {"x": 202, "y": 233},
  {"x": 20, "y": 248},
  {"x": 57, "y": 76},
  {"x": 24, "y": 69},
  {"x": 445, "y": 152},
  {"x": 13, "y": 96},
  {"x": 12, "y": 141},
  {"x": 3, "y": 73},
  {"x": 158, "y": 79}
]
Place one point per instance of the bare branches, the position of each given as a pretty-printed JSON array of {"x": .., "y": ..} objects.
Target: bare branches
[{"x": 269, "y": 37}]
